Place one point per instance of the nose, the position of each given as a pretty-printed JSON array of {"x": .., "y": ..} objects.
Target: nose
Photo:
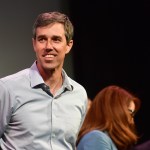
[{"x": 49, "y": 44}]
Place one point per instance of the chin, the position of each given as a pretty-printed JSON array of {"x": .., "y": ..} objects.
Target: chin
[{"x": 49, "y": 67}]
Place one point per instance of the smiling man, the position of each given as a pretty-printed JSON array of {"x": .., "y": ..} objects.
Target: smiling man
[{"x": 41, "y": 107}]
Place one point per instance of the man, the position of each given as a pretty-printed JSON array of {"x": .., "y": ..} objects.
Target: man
[{"x": 41, "y": 108}]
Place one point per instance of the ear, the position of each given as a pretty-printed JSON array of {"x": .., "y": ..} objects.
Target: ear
[
  {"x": 69, "y": 46},
  {"x": 33, "y": 43}
]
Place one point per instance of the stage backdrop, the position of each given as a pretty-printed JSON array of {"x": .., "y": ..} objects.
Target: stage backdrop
[{"x": 112, "y": 46}]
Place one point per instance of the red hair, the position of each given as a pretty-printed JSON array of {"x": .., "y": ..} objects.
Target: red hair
[{"x": 109, "y": 112}]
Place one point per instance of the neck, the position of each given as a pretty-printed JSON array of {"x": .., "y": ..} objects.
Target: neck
[
  {"x": 55, "y": 85},
  {"x": 52, "y": 78}
]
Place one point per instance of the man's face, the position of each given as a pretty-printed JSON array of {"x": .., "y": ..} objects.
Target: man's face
[{"x": 50, "y": 46}]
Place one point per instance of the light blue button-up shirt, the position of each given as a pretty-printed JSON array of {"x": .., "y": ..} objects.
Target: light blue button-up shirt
[{"x": 31, "y": 119}]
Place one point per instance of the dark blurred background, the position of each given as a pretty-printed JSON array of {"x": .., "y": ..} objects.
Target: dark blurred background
[
  {"x": 111, "y": 45},
  {"x": 112, "y": 41}
]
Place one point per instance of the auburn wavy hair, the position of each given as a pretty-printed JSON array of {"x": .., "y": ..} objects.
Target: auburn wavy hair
[{"x": 109, "y": 112}]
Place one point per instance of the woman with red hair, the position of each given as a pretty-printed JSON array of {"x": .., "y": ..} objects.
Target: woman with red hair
[{"x": 109, "y": 123}]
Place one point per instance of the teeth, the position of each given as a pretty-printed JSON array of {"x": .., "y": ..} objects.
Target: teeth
[{"x": 49, "y": 56}]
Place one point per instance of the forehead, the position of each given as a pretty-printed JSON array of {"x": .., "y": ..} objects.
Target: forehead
[
  {"x": 51, "y": 29},
  {"x": 131, "y": 105}
]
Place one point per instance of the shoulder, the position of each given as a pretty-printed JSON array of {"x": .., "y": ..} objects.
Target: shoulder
[
  {"x": 98, "y": 135},
  {"x": 76, "y": 85},
  {"x": 96, "y": 139},
  {"x": 15, "y": 76},
  {"x": 71, "y": 81},
  {"x": 14, "y": 79}
]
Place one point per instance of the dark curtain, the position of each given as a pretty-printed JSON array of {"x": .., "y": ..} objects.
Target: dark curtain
[{"x": 111, "y": 46}]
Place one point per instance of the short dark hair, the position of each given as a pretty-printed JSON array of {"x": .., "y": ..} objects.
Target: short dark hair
[{"x": 47, "y": 18}]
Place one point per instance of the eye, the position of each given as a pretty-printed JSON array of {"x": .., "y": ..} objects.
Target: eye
[
  {"x": 57, "y": 39},
  {"x": 41, "y": 39},
  {"x": 132, "y": 112}
]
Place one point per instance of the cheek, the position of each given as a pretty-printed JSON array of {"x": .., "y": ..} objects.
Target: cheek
[
  {"x": 131, "y": 120},
  {"x": 38, "y": 48},
  {"x": 62, "y": 50}
]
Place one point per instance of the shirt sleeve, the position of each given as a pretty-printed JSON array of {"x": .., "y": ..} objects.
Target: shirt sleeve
[
  {"x": 83, "y": 113},
  {"x": 94, "y": 141},
  {"x": 5, "y": 107}
]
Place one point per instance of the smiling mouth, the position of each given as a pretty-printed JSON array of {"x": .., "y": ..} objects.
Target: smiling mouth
[{"x": 49, "y": 56}]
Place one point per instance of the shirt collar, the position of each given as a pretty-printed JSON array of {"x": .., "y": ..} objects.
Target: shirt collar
[
  {"x": 35, "y": 76},
  {"x": 67, "y": 81},
  {"x": 37, "y": 79}
]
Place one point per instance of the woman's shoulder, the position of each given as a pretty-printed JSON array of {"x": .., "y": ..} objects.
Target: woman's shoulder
[
  {"x": 98, "y": 134},
  {"x": 96, "y": 138}
]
